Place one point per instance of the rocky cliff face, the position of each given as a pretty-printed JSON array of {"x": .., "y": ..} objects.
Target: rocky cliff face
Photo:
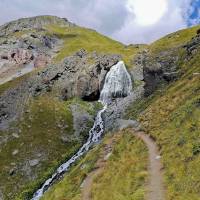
[
  {"x": 74, "y": 77},
  {"x": 26, "y": 44},
  {"x": 81, "y": 75},
  {"x": 164, "y": 67}
]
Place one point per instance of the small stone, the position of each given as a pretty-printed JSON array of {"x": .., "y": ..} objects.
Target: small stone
[
  {"x": 12, "y": 172},
  {"x": 39, "y": 155},
  {"x": 15, "y": 152},
  {"x": 64, "y": 139},
  {"x": 107, "y": 156},
  {"x": 83, "y": 166},
  {"x": 21, "y": 144},
  {"x": 59, "y": 126},
  {"x": 15, "y": 135},
  {"x": 13, "y": 164},
  {"x": 33, "y": 162},
  {"x": 196, "y": 74},
  {"x": 158, "y": 157}
]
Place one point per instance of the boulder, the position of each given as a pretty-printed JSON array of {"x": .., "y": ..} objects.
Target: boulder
[
  {"x": 41, "y": 61},
  {"x": 77, "y": 75},
  {"x": 87, "y": 87},
  {"x": 33, "y": 162},
  {"x": 159, "y": 70},
  {"x": 20, "y": 56},
  {"x": 81, "y": 119},
  {"x": 15, "y": 152}
]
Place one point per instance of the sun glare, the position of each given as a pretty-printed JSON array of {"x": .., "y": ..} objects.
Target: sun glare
[{"x": 147, "y": 12}]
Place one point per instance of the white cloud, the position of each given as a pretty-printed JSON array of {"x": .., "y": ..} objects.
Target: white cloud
[
  {"x": 147, "y": 12},
  {"x": 129, "y": 21},
  {"x": 171, "y": 18}
]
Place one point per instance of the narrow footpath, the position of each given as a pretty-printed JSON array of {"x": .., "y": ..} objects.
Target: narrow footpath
[
  {"x": 155, "y": 186},
  {"x": 104, "y": 155},
  {"x": 156, "y": 189}
]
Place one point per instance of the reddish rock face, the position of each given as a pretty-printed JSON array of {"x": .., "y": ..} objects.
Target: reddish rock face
[
  {"x": 41, "y": 61},
  {"x": 20, "y": 56}
]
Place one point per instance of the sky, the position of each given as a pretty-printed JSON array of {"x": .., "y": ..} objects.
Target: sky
[{"x": 129, "y": 21}]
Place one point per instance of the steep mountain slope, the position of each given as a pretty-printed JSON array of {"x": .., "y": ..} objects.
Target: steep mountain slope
[
  {"x": 170, "y": 116},
  {"x": 45, "y": 115},
  {"x": 41, "y": 119}
]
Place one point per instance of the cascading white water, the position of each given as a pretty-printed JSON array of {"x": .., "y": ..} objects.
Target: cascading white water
[{"x": 117, "y": 84}]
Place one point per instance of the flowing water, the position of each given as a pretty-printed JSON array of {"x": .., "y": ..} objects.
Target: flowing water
[
  {"x": 117, "y": 84},
  {"x": 94, "y": 136}
]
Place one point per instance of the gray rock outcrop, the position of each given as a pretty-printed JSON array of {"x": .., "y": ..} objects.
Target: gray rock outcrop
[
  {"x": 116, "y": 110},
  {"x": 163, "y": 68},
  {"x": 26, "y": 41},
  {"x": 37, "y": 22},
  {"x": 73, "y": 77},
  {"x": 76, "y": 76}
]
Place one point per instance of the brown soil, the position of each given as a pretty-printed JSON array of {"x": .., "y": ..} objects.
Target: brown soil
[
  {"x": 156, "y": 189},
  {"x": 104, "y": 155}
]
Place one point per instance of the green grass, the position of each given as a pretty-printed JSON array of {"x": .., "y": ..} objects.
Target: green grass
[
  {"x": 124, "y": 176},
  {"x": 75, "y": 38},
  {"x": 69, "y": 186},
  {"x": 128, "y": 160},
  {"x": 172, "y": 117},
  {"x": 173, "y": 40},
  {"x": 39, "y": 133},
  {"x": 85, "y": 105},
  {"x": 13, "y": 83}
]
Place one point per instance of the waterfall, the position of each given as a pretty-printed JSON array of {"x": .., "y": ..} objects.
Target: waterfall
[{"x": 117, "y": 84}]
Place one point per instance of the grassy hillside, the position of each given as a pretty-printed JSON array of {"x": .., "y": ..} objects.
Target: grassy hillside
[
  {"x": 123, "y": 176},
  {"x": 38, "y": 136},
  {"x": 172, "y": 117},
  {"x": 75, "y": 38},
  {"x": 173, "y": 40}
]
